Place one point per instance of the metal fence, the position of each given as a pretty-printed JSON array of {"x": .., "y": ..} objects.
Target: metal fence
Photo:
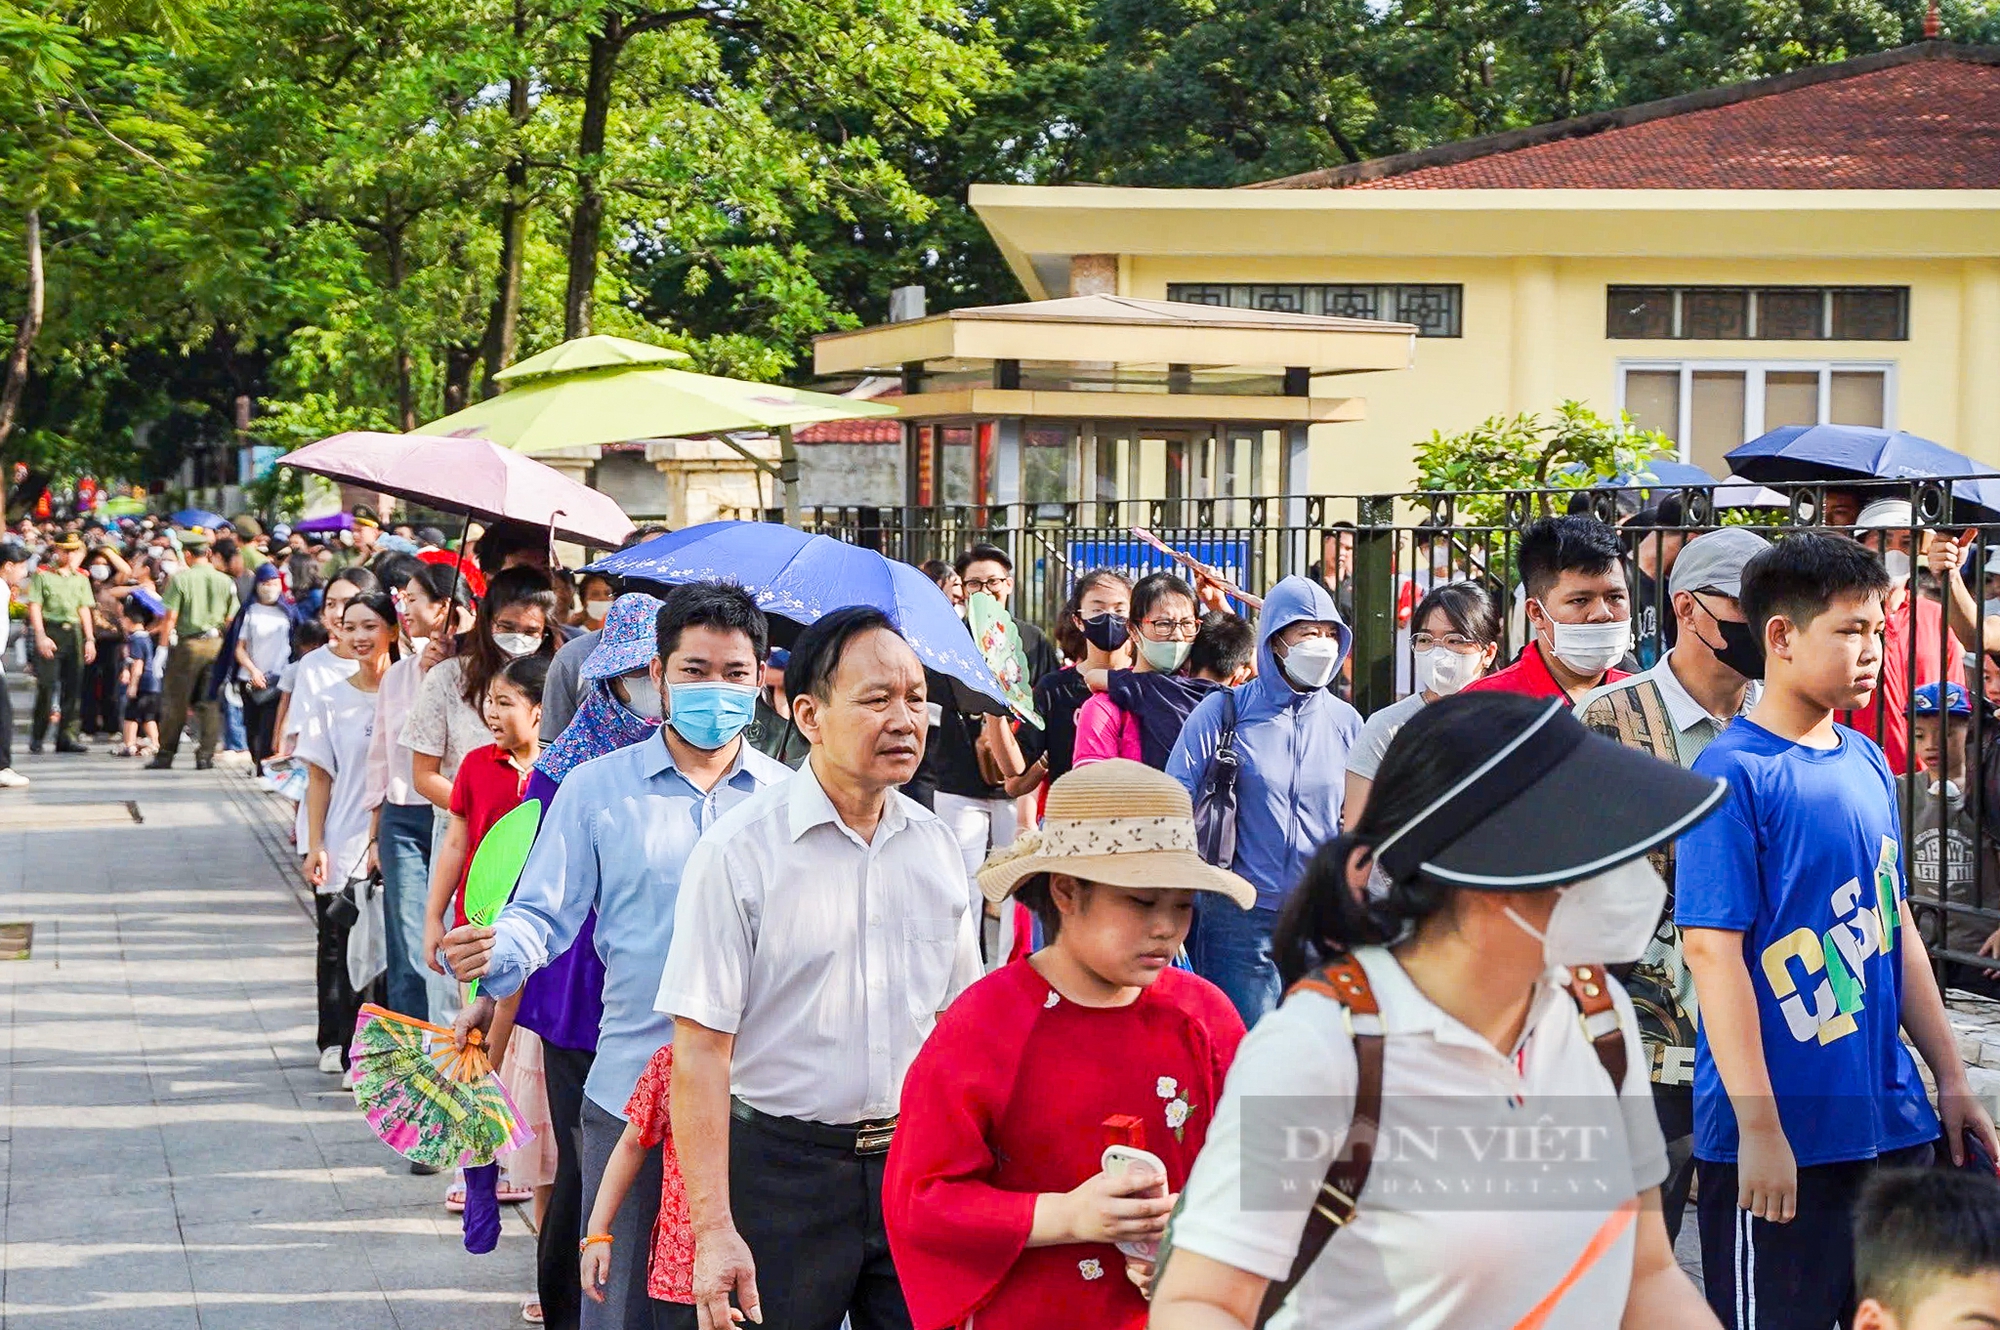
[{"x": 1378, "y": 554}]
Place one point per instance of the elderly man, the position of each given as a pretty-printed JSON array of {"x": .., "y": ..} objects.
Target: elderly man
[
  {"x": 617, "y": 838},
  {"x": 1673, "y": 711},
  {"x": 823, "y": 925}
]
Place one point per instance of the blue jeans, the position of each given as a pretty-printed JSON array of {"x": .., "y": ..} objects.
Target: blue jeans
[
  {"x": 235, "y": 739},
  {"x": 1232, "y": 950},
  {"x": 405, "y": 841}
]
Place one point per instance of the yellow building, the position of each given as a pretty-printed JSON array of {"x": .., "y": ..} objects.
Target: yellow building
[{"x": 1822, "y": 246}]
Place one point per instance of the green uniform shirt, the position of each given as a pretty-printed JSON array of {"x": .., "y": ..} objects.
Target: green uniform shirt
[
  {"x": 205, "y": 598},
  {"x": 62, "y": 596}
]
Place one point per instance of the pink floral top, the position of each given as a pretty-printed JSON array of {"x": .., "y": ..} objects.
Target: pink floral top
[{"x": 671, "y": 1275}]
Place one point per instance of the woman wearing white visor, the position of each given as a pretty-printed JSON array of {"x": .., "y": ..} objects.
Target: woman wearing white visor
[{"x": 1448, "y": 1124}]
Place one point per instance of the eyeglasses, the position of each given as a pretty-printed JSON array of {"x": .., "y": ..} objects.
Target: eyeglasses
[
  {"x": 1450, "y": 642},
  {"x": 990, "y": 585},
  {"x": 1171, "y": 629}
]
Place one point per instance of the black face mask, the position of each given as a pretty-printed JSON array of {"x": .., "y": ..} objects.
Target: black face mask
[
  {"x": 1740, "y": 650},
  {"x": 1106, "y": 632}
]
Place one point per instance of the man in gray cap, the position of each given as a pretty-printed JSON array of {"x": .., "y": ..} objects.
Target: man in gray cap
[{"x": 1673, "y": 711}]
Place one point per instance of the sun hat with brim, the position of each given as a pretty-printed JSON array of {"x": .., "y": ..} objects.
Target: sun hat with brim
[
  {"x": 1545, "y": 802},
  {"x": 1118, "y": 822},
  {"x": 629, "y": 639}
]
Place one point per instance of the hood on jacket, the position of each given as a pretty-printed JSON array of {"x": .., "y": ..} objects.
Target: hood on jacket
[{"x": 1293, "y": 600}]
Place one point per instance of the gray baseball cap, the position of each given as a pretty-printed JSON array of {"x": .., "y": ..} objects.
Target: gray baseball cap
[{"x": 1715, "y": 561}]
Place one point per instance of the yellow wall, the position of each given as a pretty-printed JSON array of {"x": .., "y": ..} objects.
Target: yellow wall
[{"x": 1534, "y": 334}]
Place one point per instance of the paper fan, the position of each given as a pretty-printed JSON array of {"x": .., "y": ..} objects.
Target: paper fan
[
  {"x": 497, "y": 863},
  {"x": 999, "y": 641},
  {"x": 428, "y": 1100}
]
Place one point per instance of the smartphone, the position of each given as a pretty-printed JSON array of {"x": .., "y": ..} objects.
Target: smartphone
[{"x": 1119, "y": 1160}]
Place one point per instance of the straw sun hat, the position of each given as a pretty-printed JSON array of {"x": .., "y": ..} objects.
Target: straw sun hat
[{"x": 1119, "y": 822}]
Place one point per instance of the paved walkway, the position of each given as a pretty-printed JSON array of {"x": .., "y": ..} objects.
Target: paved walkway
[{"x": 171, "y": 1155}]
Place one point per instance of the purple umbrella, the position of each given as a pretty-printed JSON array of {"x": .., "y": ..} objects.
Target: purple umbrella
[{"x": 331, "y": 522}]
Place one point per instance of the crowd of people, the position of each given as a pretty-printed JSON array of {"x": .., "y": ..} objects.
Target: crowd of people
[{"x": 832, "y": 999}]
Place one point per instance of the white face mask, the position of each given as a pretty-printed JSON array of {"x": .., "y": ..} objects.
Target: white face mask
[
  {"x": 1590, "y": 648},
  {"x": 1444, "y": 671},
  {"x": 515, "y": 645},
  {"x": 100, "y": 572},
  {"x": 268, "y": 593},
  {"x": 1897, "y": 564},
  {"x": 1602, "y": 920},
  {"x": 1311, "y": 661},
  {"x": 642, "y": 696},
  {"x": 596, "y": 609}
]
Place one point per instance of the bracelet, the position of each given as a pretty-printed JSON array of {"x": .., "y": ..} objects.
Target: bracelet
[{"x": 591, "y": 1241}]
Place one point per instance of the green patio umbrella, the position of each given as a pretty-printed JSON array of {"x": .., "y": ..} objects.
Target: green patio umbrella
[
  {"x": 597, "y": 390},
  {"x": 123, "y": 505}
]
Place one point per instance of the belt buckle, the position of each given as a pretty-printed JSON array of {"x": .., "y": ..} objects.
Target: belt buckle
[{"x": 874, "y": 1139}]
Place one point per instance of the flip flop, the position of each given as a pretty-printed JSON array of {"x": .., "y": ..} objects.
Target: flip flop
[
  {"x": 511, "y": 1195},
  {"x": 531, "y": 1311}
]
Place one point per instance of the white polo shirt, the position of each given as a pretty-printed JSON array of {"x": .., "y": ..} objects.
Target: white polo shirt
[{"x": 1491, "y": 1176}]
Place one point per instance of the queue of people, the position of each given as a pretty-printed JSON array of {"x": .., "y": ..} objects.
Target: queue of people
[{"x": 1195, "y": 1006}]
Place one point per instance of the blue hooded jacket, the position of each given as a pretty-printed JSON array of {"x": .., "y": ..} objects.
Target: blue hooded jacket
[{"x": 1292, "y": 748}]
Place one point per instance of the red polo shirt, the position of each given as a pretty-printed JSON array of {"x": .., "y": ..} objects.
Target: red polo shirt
[
  {"x": 1886, "y": 718},
  {"x": 1529, "y": 674},
  {"x": 487, "y": 788}
]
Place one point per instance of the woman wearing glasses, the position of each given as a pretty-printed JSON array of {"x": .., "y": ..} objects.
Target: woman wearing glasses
[
  {"x": 1164, "y": 620},
  {"x": 1457, "y": 636}
]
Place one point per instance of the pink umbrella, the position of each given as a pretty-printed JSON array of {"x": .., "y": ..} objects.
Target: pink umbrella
[{"x": 468, "y": 476}]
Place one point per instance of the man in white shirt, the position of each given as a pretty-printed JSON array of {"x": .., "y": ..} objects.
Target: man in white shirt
[{"x": 822, "y": 925}]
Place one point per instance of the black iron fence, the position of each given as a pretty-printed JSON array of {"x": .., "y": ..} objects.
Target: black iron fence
[{"x": 1378, "y": 554}]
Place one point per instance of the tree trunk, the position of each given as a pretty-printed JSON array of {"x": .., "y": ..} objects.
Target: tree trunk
[
  {"x": 503, "y": 324},
  {"x": 406, "y": 396},
  {"x": 459, "y": 360},
  {"x": 16, "y": 382},
  {"x": 586, "y": 230}
]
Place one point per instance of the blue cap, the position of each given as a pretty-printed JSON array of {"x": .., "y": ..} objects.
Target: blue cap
[
  {"x": 629, "y": 639},
  {"x": 778, "y": 659},
  {"x": 268, "y": 572},
  {"x": 1924, "y": 702}
]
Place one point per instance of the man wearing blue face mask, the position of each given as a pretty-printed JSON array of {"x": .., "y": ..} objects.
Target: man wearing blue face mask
[{"x": 616, "y": 838}]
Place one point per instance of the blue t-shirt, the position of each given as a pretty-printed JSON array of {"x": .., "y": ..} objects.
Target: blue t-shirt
[
  {"x": 139, "y": 647},
  {"x": 1803, "y": 857}
]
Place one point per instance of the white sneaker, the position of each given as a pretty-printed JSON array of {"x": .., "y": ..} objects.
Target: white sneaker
[
  {"x": 329, "y": 1061},
  {"x": 11, "y": 779},
  {"x": 347, "y": 1079}
]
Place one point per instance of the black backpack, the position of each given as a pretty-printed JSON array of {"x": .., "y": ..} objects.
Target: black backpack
[{"x": 1215, "y": 804}]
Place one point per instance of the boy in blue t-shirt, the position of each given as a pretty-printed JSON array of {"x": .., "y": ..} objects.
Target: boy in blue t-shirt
[
  {"x": 140, "y": 682},
  {"x": 1790, "y": 900}
]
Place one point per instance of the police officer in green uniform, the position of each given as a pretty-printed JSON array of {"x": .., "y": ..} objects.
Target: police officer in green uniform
[
  {"x": 201, "y": 600},
  {"x": 59, "y": 601}
]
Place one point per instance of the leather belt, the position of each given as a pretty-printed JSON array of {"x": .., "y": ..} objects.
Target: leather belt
[{"x": 861, "y": 1138}]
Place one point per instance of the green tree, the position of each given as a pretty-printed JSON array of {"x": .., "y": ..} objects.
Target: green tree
[{"x": 1574, "y": 448}]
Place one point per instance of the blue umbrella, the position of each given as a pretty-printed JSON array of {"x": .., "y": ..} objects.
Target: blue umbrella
[
  {"x": 1649, "y": 475},
  {"x": 201, "y": 517},
  {"x": 1847, "y": 452},
  {"x": 799, "y": 577}
]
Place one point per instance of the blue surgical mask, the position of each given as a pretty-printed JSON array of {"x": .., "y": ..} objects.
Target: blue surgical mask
[{"x": 708, "y": 715}]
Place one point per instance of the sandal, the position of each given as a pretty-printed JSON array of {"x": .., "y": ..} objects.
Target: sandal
[
  {"x": 531, "y": 1311},
  {"x": 454, "y": 1200},
  {"x": 513, "y": 1195}
]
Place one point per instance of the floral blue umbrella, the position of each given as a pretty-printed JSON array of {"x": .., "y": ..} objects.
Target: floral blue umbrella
[{"x": 799, "y": 578}]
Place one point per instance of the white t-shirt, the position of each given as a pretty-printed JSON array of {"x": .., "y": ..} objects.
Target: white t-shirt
[
  {"x": 1462, "y": 1125},
  {"x": 267, "y": 639},
  {"x": 1364, "y": 757},
  {"x": 312, "y": 674},
  {"x": 337, "y": 729}
]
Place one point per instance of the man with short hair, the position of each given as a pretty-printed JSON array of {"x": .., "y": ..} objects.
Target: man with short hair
[
  {"x": 60, "y": 601},
  {"x": 1579, "y": 610},
  {"x": 200, "y": 601},
  {"x": 1914, "y": 626},
  {"x": 617, "y": 839},
  {"x": 1673, "y": 711},
  {"x": 822, "y": 926},
  {"x": 14, "y": 561},
  {"x": 1657, "y": 535}
]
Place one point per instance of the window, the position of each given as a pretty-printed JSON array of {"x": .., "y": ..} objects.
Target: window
[
  {"x": 1758, "y": 313},
  {"x": 1710, "y": 407},
  {"x": 1434, "y": 308}
]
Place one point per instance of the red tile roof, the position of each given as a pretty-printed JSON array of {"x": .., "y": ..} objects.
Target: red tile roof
[
  {"x": 876, "y": 429},
  {"x": 1922, "y": 117}
]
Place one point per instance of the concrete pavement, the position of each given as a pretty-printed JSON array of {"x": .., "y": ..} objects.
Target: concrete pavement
[{"x": 169, "y": 1153}]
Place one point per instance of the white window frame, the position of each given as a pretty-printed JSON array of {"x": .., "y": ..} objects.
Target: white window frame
[{"x": 1753, "y": 372}]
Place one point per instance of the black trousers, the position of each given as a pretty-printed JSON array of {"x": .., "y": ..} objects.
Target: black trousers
[
  {"x": 6, "y": 725},
  {"x": 562, "y": 1223},
  {"x": 812, "y": 1215},
  {"x": 59, "y": 680},
  {"x": 1798, "y": 1276},
  {"x": 103, "y": 697},
  {"x": 1674, "y": 1106},
  {"x": 260, "y": 720},
  {"x": 339, "y": 1004}
]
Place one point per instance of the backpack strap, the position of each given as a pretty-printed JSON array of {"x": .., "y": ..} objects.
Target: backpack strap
[
  {"x": 1344, "y": 981},
  {"x": 1591, "y": 990}
]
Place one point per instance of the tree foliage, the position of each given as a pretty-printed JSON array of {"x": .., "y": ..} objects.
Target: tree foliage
[{"x": 1574, "y": 448}]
